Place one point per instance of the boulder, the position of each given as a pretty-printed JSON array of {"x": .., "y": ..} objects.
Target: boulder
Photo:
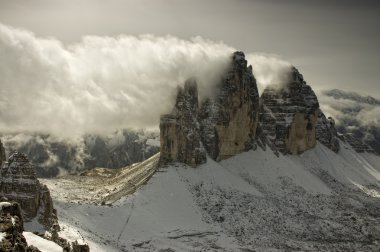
[{"x": 11, "y": 229}]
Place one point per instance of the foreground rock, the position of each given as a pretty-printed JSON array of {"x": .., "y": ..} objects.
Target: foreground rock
[
  {"x": 19, "y": 183},
  {"x": 11, "y": 228}
]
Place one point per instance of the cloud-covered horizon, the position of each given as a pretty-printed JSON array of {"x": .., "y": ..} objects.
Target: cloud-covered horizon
[{"x": 105, "y": 83}]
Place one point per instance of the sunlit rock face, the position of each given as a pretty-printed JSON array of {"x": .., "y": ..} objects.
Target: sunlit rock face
[
  {"x": 19, "y": 183},
  {"x": 228, "y": 121},
  {"x": 179, "y": 131},
  {"x": 289, "y": 115}
]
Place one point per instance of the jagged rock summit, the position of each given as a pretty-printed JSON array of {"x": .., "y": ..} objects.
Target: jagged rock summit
[
  {"x": 291, "y": 119},
  {"x": 286, "y": 117},
  {"x": 222, "y": 126},
  {"x": 19, "y": 183}
]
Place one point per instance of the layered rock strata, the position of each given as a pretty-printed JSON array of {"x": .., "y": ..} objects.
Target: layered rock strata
[
  {"x": 291, "y": 119},
  {"x": 19, "y": 183},
  {"x": 289, "y": 115}
]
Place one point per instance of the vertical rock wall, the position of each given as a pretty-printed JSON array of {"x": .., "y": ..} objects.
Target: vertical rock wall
[{"x": 229, "y": 120}]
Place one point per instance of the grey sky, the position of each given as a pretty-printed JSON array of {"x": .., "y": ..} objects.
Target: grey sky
[{"x": 335, "y": 44}]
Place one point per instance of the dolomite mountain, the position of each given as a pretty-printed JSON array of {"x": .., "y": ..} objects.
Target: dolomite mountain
[
  {"x": 222, "y": 126},
  {"x": 291, "y": 119},
  {"x": 236, "y": 119},
  {"x": 19, "y": 183}
]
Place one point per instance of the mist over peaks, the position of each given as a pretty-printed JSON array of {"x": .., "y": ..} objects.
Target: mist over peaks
[{"x": 105, "y": 83}]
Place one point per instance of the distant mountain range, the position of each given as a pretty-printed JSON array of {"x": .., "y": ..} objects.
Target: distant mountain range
[
  {"x": 53, "y": 156},
  {"x": 355, "y": 114}
]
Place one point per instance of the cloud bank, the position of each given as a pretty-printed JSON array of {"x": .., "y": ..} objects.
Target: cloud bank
[{"x": 105, "y": 83}]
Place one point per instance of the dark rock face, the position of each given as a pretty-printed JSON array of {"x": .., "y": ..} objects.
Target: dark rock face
[
  {"x": 326, "y": 132},
  {"x": 228, "y": 121},
  {"x": 19, "y": 183},
  {"x": 289, "y": 115},
  {"x": 180, "y": 136},
  {"x": 224, "y": 124}
]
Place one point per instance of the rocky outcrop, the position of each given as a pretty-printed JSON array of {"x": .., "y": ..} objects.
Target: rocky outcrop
[
  {"x": 179, "y": 131},
  {"x": 19, "y": 183},
  {"x": 229, "y": 120},
  {"x": 289, "y": 114},
  {"x": 326, "y": 132},
  {"x": 222, "y": 126},
  {"x": 11, "y": 229}
]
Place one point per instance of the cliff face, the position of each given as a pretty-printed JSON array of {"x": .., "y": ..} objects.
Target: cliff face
[
  {"x": 223, "y": 126},
  {"x": 228, "y": 121},
  {"x": 19, "y": 183},
  {"x": 289, "y": 115}
]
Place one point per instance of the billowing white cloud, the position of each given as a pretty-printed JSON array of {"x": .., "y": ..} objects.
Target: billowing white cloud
[
  {"x": 269, "y": 69},
  {"x": 105, "y": 83},
  {"x": 345, "y": 109}
]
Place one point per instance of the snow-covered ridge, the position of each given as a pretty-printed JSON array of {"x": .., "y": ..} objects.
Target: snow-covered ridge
[{"x": 316, "y": 201}]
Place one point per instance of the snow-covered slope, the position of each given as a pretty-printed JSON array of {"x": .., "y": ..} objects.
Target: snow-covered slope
[{"x": 317, "y": 201}]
